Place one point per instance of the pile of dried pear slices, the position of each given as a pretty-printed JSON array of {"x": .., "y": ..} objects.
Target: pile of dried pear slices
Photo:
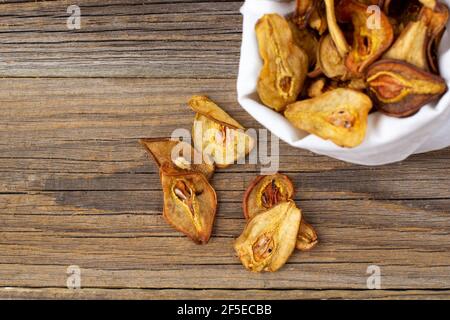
[
  {"x": 275, "y": 225},
  {"x": 326, "y": 66},
  {"x": 190, "y": 202}
]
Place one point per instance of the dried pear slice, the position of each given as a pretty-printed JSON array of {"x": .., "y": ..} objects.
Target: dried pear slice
[
  {"x": 436, "y": 20},
  {"x": 177, "y": 154},
  {"x": 285, "y": 65},
  {"x": 369, "y": 43},
  {"x": 307, "y": 237},
  {"x": 265, "y": 192},
  {"x": 208, "y": 108},
  {"x": 400, "y": 89},
  {"x": 269, "y": 239},
  {"x": 190, "y": 203},
  {"x": 339, "y": 115},
  {"x": 218, "y": 135},
  {"x": 318, "y": 19},
  {"x": 335, "y": 31},
  {"x": 330, "y": 61},
  {"x": 411, "y": 45}
]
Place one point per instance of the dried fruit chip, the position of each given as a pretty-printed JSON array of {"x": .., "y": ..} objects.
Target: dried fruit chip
[
  {"x": 177, "y": 154},
  {"x": 318, "y": 19},
  {"x": 400, "y": 89},
  {"x": 208, "y": 108},
  {"x": 189, "y": 203},
  {"x": 411, "y": 45},
  {"x": 369, "y": 42},
  {"x": 436, "y": 19},
  {"x": 264, "y": 193},
  {"x": 269, "y": 238},
  {"x": 330, "y": 61},
  {"x": 218, "y": 135},
  {"x": 339, "y": 115},
  {"x": 307, "y": 237},
  {"x": 335, "y": 31},
  {"x": 285, "y": 64}
]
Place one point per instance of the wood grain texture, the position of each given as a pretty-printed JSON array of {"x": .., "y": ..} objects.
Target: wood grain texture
[{"x": 77, "y": 189}]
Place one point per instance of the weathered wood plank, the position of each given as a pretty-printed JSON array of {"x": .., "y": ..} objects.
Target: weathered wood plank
[
  {"x": 172, "y": 294},
  {"x": 294, "y": 276},
  {"x": 121, "y": 39},
  {"x": 338, "y": 184}
]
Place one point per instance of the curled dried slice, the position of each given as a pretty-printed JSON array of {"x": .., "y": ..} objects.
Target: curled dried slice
[
  {"x": 436, "y": 19},
  {"x": 370, "y": 40},
  {"x": 269, "y": 239},
  {"x": 400, "y": 89},
  {"x": 330, "y": 61},
  {"x": 177, "y": 154},
  {"x": 339, "y": 115},
  {"x": 285, "y": 64},
  {"x": 307, "y": 237},
  {"x": 335, "y": 31},
  {"x": 318, "y": 19},
  {"x": 217, "y": 135},
  {"x": 189, "y": 203},
  {"x": 265, "y": 192}
]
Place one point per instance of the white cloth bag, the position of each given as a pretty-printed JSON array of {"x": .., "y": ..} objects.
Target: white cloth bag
[{"x": 388, "y": 139}]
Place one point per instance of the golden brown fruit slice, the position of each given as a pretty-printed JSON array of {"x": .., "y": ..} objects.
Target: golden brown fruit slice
[
  {"x": 335, "y": 31},
  {"x": 330, "y": 61},
  {"x": 208, "y": 108},
  {"x": 370, "y": 40},
  {"x": 339, "y": 115},
  {"x": 217, "y": 135},
  {"x": 177, "y": 154},
  {"x": 307, "y": 237},
  {"x": 436, "y": 19},
  {"x": 265, "y": 192},
  {"x": 411, "y": 45},
  {"x": 285, "y": 64},
  {"x": 400, "y": 89},
  {"x": 318, "y": 19},
  {"x": 189, "y": 203},
  {"x": 269, "y": 238}
]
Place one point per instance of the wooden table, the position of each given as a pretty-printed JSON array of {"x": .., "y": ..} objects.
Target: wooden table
[{"x": 77, "y": 189}]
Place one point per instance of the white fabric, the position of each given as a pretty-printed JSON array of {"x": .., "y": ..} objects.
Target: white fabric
[{"x": 388, "y": 139}]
